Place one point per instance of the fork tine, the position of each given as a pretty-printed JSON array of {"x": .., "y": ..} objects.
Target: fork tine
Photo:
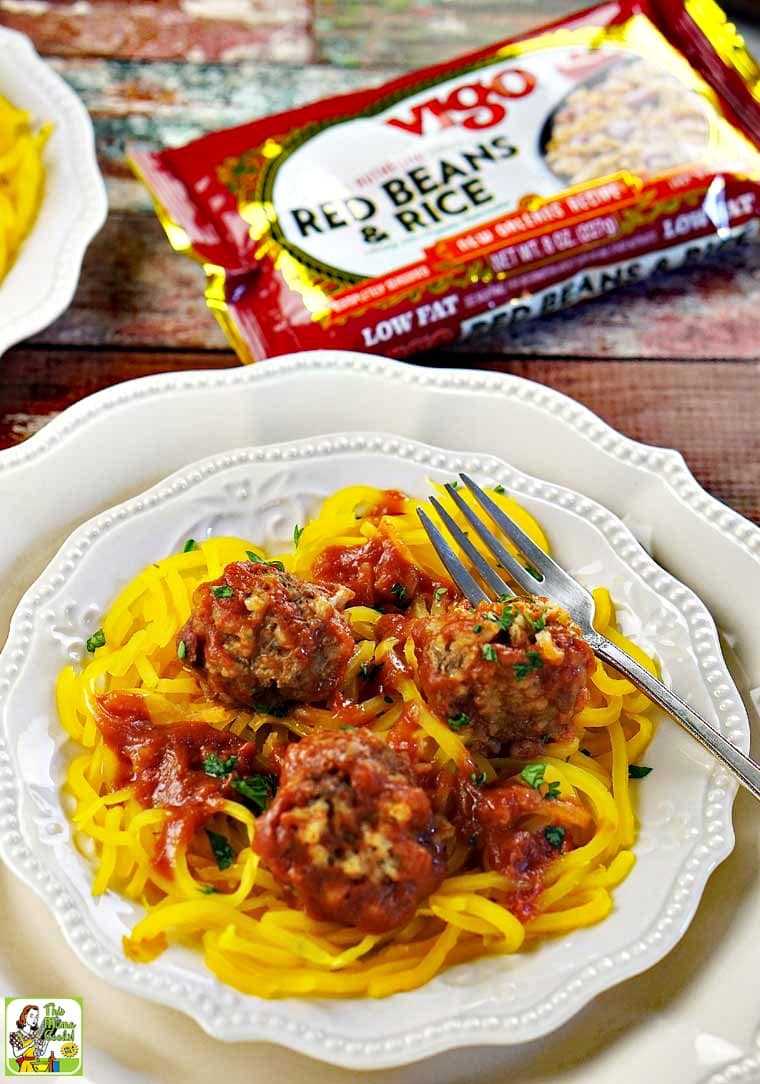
[
  {"x": 535, "y": 555},
  {"x": 459, "y": 574},
  {"x": 488, "y": 574},
  {"x": 502, "y": 555}
]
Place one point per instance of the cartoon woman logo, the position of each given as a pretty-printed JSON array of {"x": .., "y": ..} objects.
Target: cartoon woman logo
[{"x": 29, "y": 1042}]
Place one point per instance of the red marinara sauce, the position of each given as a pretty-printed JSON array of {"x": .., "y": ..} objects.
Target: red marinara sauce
[
  {"x": 377, "y": 572},
  {"x": 164, "y": 763}
]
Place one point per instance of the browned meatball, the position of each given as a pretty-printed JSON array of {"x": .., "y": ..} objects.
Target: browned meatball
[
  {"x": 350, "y": 835},
  {"x": 259, "y": 636},
  {"x": 515, "y": 672}
]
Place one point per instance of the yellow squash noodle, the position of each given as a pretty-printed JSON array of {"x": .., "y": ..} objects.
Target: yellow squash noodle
[
  {"x": 238, "y": 916},
  {"x": 22, "y": 179}
]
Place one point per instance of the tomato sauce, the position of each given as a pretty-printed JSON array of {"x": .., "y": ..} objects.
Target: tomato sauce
[
  {"x": 376, "y": 572},
  {"x": 165, "y": 765}
]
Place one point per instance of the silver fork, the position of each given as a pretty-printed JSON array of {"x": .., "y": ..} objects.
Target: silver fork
[{"x": 558, "y": 585}]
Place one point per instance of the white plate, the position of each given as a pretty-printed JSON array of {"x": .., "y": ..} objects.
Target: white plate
[
  {"x": 41, "y": 283},
  {"x": 258, "y": 494},
  {"x": 683, "y": 1021}
]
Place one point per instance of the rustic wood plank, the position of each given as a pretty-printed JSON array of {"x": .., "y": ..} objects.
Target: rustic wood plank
[
  {"x": 414, "y": 33},
  {"x": 135, "y": 292},
  {"x": 707, "y": 411},
  {"x": 200, "y": 30}
]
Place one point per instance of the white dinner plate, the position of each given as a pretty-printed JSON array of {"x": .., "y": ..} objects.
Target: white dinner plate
[
  {"x": 42, "y": 281},
  {"x": 96, "y": 453}
]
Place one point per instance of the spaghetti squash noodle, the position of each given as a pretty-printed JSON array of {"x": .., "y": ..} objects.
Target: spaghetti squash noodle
[
  {"x": 520, "y": 838},
  {"x": 22, "y": 179}
]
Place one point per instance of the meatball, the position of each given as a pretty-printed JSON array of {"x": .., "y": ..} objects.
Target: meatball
[
  {"x": 350, "y": 835},
  {"x": 514, "y": 672},
  {"x": 259, "y": 637}
]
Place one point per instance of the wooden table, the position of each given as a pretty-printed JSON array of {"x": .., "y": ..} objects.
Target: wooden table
[{"x": 673, "y": 361}]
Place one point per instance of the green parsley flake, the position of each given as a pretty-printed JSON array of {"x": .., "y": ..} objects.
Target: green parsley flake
[
  {"x": 255, "y": 558},
  {"x": 489, "y": 652},
  {"x": 533, "y": 775},
  {"x": 223, "y": 591},
  {"x": 207, "y": 890},
  {"x": 506, "y": 617},
  {"x": 505, "y": 597},
  {"x": 472, "y": 840},
  {"x": 458, "y": 722},
  {"x": 499, "y": 489},
  {"x": 220, "y": 846},
  {"x": 533, "y": 572},
  {"x": 552, "y": 790},
  {"x": 489, "y": 616},
  {"x": 264, "y": 709},
  {"x": 439, "y": 593},
  {"x": 400, "y": 592},
  {"x": 190, "y": 545},
  {"x": 98, "y": 639},
  {"x": 257, "y": 789},
  {"x": 638, "y": 771},
  {"x": 533, "y": 662},
  {"x": 368, "y": 670},
  {"x": 214, "y": 765},
  {"x": 539, "y": 623},
  {"x": 555, "y": 835},
  {"x": 297, "y": 532},
  {"x": 479, "y": 778},
  {"x": 477, "y": 628},
  {"x": 181, "y": 650}
]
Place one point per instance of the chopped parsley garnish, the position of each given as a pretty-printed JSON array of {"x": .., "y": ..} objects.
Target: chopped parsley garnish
[
  {"x": 223, "y": 591},
  {"x": 190, "y": 545},
  {"x": 533, "y": 775},
  {"x": 257, "y": 559},
  {"x": 207, "y": 890},
  {"x": 489, "y": 616},
  {"x": 499, "y": 489},
  {"x": 505, "y": 597},
  {"x": 223, "y": 852},
  {"x": 257, "y": 789},
  {"x": 264, "y": 709},
  {"x": 388, "y": 699},
  {"x": 368, "y": 670},
  {"x": 214, "y": 765},
  {"x": 181, "y": 650},
  {"x": 539, "y": 623},
  {"x": 477, "y": 628},
  {"x": 533, "y": 662},
  {"x": 506, "y": 617},
  {"x": 454, "y": 485},
  {"x": 479, "y": 778},
  {"x": 533, "y": 572},
  {"x": 638, "y": 771},
  {"x": 439, "y": 593},
  {"x": 489, "y": 652},
  {"x": 472, "y": 840},
  {"x": 98, "y": 639},
  {"x": 348, "y": 726},
  {"x": 458, "y": 722},
  {"x": 555, "y": 835},
  {"x": 297, "y": 532},
  {"x": 400, "y": 592}
]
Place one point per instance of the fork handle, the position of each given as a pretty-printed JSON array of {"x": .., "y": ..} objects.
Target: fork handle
[{"x": 746, "y": 770}]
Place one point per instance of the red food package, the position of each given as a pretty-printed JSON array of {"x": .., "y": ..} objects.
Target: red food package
[{"x": 508, "y": 183}]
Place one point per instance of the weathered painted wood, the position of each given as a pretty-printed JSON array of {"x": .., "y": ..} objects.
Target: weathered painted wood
[
  {"x": 708, "y": 411},
  {"x": 135, "y": 292},
  {"x": 227, "y": 30},
  {"x": 413, "y": 33}
]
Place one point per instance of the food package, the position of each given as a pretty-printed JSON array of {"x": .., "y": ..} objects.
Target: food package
[{"x": 479, "y": 193}]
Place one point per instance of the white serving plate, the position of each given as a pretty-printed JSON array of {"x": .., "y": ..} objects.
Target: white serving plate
[
  {"x": 42, "y": 281},
  {"x": 258, "y": 494},
  {"x": 684, "y": 1020}
]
